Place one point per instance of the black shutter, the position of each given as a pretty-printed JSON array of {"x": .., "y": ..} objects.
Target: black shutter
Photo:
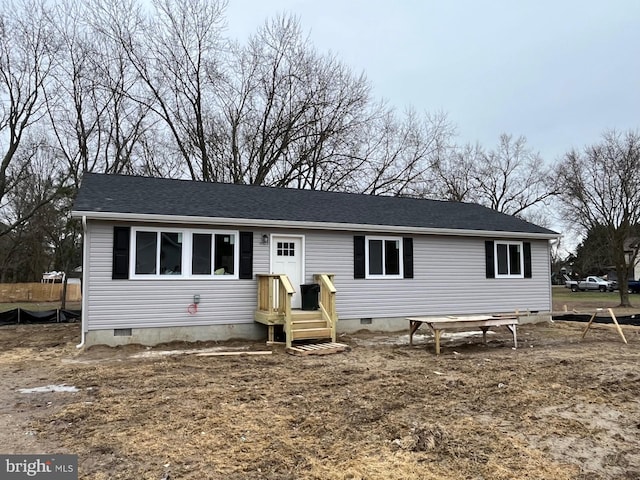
[
  {"x": 358, "y": 257},
  {"x": 526, "y": 249},
  {"x": 246, "y": 255},
  {"x": 120, "y": 264},
  {"x": 407, "y": 260},
  {"x": 488, "y": 253}
]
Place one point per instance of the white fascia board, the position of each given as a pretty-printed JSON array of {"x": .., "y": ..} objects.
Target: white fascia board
[{"x": 352, "y": 227}]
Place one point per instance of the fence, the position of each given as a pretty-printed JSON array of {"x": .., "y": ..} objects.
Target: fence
[{"x": 38, "y": 292}]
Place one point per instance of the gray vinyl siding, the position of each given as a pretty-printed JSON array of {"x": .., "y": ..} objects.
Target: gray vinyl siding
[
  {"x": 449, "y": 278},
  {"x": 139, "y": 303}
]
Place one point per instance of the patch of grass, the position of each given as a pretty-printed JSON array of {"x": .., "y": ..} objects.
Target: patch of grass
[
  {"x": 590, "y": 300},
  {"x": 562, "y": 293}
]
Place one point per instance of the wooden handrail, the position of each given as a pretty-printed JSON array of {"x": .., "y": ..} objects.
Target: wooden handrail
[
  {"x": 286, "y": 283},
  {"x": 327, "y": 303},
  {"x": 273, "y": 292}
]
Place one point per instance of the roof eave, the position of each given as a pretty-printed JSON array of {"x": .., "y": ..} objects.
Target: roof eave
[{"x": 264, "y": 223}]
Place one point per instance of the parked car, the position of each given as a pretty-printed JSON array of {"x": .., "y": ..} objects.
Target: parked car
[
  {"x": 634, "y": 286},
  {"x": 592, "y": 282}
]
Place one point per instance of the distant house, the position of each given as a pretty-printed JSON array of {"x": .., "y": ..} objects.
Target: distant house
[
  {"x": 631, "y": 246},
  {"x": 182, "y": 260}
]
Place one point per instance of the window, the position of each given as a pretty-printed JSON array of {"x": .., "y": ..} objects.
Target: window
[
  {"x": 201, "y": 256},
  {"x": 383, "y": 254},
  {"x": 219, "y": 248},
  {"x": 146, "y": 247},
  {"x": 184, "y": 253},
  {"x": 225, "y": 255},
  {"x": 286, "y": 249},
  {"x": 383, "y": 257},
  {"x": 158, "y": 252},
  {"x": 509, "y": 260},
  {"x": 170, "y": 253}
]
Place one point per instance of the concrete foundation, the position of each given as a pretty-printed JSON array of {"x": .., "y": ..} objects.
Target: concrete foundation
[
  {"x": 248, "y": 331},
  {"x": 155, "y": 336},
  {"x": 373, "y": 324},
  {"x": 535, "y": 318}
]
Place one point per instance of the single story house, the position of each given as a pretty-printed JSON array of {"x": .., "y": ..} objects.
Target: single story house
[{"x": 184, "y": 260}]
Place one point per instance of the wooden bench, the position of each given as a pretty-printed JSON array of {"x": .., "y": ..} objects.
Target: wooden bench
[{"x": 463, "y": 322}]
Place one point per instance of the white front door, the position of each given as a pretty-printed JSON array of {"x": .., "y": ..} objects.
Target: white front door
[{"x": 287, "y": 257}]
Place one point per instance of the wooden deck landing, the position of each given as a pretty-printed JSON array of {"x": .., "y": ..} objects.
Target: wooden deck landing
[{"x": 317, "y": 349}]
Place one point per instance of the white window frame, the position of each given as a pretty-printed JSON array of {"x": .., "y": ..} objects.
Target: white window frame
[
  {"x": 495, "y": 257},
  {"x": 367, "y": 239},
  {"x": 187, "y": 254}
]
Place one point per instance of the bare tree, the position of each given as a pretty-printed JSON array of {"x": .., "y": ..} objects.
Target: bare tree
[
  {"x": 25, "y": 247},
  {"x": 288, "y": 113},
  {"x": 27, "y": 57},
  {"x": 396, "y": 153},
  {"x": 601, "y": 190},
  {"x": 511, "y": 178},
  {"x": 452, "y": 173},
  {"x": 74, "y": 104},
  {"x": 175, "y": 51},
  {"x": 337, "y": 111},
  {"x": 295, "y": 117},
  {"x": 96, "y": 124},
  {"x": 267, "y": 115}
]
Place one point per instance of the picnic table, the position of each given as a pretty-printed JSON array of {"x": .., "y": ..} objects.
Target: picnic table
[{"x": 463, "y": 322}]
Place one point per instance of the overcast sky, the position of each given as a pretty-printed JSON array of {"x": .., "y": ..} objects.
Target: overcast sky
[{"x": 558, "y": 72}]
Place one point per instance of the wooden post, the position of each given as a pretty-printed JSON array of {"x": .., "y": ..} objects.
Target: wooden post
[
  {"x": 484, "y": 334},
  {"x": 615, "y": 321},
  {"x": 437, "y": 334},
  {"x": 63, "y": 302},
  {"x": 271, "y": 336},
  {"x": 590, "y": 322}
]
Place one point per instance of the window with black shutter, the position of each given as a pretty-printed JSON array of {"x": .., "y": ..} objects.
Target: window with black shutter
[
  {"x": 508, "y": 259},
  {"x": 182, "y": 253},
  {"x": 382, "y": 257}
]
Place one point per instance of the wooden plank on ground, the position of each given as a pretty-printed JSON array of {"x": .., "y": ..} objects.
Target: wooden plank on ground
[
  {"x": 317, "y": 349},
  {"x": 226, "y": 354}
]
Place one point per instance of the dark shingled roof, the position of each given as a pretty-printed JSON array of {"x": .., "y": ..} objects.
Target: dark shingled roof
[{"x": 101, "y": 193}]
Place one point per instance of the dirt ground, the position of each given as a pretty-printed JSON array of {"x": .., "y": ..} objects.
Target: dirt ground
[{"x": 558, "y": 407}]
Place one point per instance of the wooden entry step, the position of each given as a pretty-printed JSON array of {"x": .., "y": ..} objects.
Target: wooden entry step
[
  {"x": 317, "y": 349},
  {"x": 310, "y": 333}
]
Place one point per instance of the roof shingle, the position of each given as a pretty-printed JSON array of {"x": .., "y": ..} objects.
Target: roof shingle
[{"x": 102, "y": 193}]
